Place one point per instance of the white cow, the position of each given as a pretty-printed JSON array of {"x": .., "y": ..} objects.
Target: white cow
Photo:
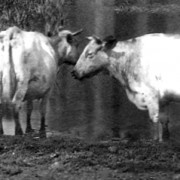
[
  {"x": 28, "y": 69},
  {"x": 148, "y": 67}
]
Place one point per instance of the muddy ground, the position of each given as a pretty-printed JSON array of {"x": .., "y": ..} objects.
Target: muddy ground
[{"x": 64, "y": 157}]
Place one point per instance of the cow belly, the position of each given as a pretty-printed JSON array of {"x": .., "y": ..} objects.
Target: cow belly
[
  {"x": 170, "y": 91},
  {"x": 171, "y": 96},
  {"x": 37, "y": 90}
]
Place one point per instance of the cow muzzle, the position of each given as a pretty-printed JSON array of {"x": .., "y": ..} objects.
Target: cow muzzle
[{"x": 76, "y": 75}]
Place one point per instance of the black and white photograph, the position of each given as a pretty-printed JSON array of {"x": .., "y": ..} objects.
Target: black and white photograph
[{"x": 89, "y": 89}]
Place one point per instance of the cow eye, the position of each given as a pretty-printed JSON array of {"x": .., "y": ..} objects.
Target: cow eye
[{"x": 90, "y": 54}]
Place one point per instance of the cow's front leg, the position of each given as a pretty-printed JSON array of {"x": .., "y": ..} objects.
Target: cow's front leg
[
  {"x": 157, "y": 131},
  {"x": 1, "y": 116},
  {"x": 160, "y": 127},
  {"x": 29, "y": 111},
  {"x": 153, "y": 108}
]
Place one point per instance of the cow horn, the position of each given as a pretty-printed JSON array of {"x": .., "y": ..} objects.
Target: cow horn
[
  {"x": 93, "y": 37},
  {"x": 77, "y": 32},
  {"x": 96, "y": 38},
  {"x": 89, "y": 38}
]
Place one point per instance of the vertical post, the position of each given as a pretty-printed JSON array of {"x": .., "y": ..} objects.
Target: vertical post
[{"x": 103, "y": 27}]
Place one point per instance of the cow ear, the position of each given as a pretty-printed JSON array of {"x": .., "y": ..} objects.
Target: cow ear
[
  {"x": 89, "y": 38},
  {"x": 109, "y": 42},
  {"x": 49, "y": 34},
  {"x": 97, "y": 39},
  {"x": 69, "y": 38},
  {"x": 77, "y": 32}
]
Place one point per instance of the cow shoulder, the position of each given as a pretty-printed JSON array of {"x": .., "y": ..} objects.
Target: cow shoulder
[{"x": 131, "y": 59}]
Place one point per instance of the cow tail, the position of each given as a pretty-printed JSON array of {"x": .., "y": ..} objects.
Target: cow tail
[{"x": 8, "y": 69}]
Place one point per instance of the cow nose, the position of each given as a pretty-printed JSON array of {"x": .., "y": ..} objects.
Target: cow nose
[{"x": 74, "y": 74}]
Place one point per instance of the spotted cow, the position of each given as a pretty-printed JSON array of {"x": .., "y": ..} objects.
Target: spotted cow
[{"x": 148, "y": 67}]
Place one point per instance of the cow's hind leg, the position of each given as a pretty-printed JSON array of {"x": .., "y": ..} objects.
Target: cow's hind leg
[
  {"x": 29, "y": 112},
  {"x": 1, "y": 116},
  {"x": 18, "y": 129},
  {"x": 164, "y": 120},
  {"x": 19, "y": 98},
  {"x": 43, "y": 108},
  {"x": 165, "y": 129}
]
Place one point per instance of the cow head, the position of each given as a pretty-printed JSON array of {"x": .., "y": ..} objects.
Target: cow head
[
  {"x": 65, "y": 46},
  {"x": 94, "y": 58}
]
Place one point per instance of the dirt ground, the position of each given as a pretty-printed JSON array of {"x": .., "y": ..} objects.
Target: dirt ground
[{"x": 68, "y": 158}]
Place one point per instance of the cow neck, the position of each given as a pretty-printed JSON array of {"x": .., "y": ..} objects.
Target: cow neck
[
  {"x": 115, "y": 64},
  {"x": 54, "y": 41}
]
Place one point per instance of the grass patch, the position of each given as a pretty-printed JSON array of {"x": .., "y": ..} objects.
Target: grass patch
[{"x": 37, "y": 15}]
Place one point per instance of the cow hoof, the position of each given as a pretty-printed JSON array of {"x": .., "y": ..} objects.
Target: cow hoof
[
  {"x": 166, "y": 139},
  {"x": 1, "y": 132},
  {"x": 155, "y": 138},
  {"x": 18, "y": 132},
  {"x": 166, "y": 136},
  {"x": 42, "y": 134},
  {"x": 160, "y": 140},
  {"x": 29, "y": 131}
]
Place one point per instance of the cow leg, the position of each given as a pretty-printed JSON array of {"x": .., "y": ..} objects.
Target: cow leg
[
  {"x": 161, "y": 131},
  {"x": 165, "y": 129},
  {"x": 164, "y": 120},
  {"x": 153, "y": 108},
  {"x": 18, "y": 129},
  {"x": 17, "y": 101},
  {"x": 43, "y": 107},
  {"x": 1, "y": 116},
  {"x": 158, "y": 131},
  {"x": 29, "y": 111}
]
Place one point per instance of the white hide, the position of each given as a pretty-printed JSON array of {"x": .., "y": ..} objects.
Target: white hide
[{"x": 160, "y": 61}]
